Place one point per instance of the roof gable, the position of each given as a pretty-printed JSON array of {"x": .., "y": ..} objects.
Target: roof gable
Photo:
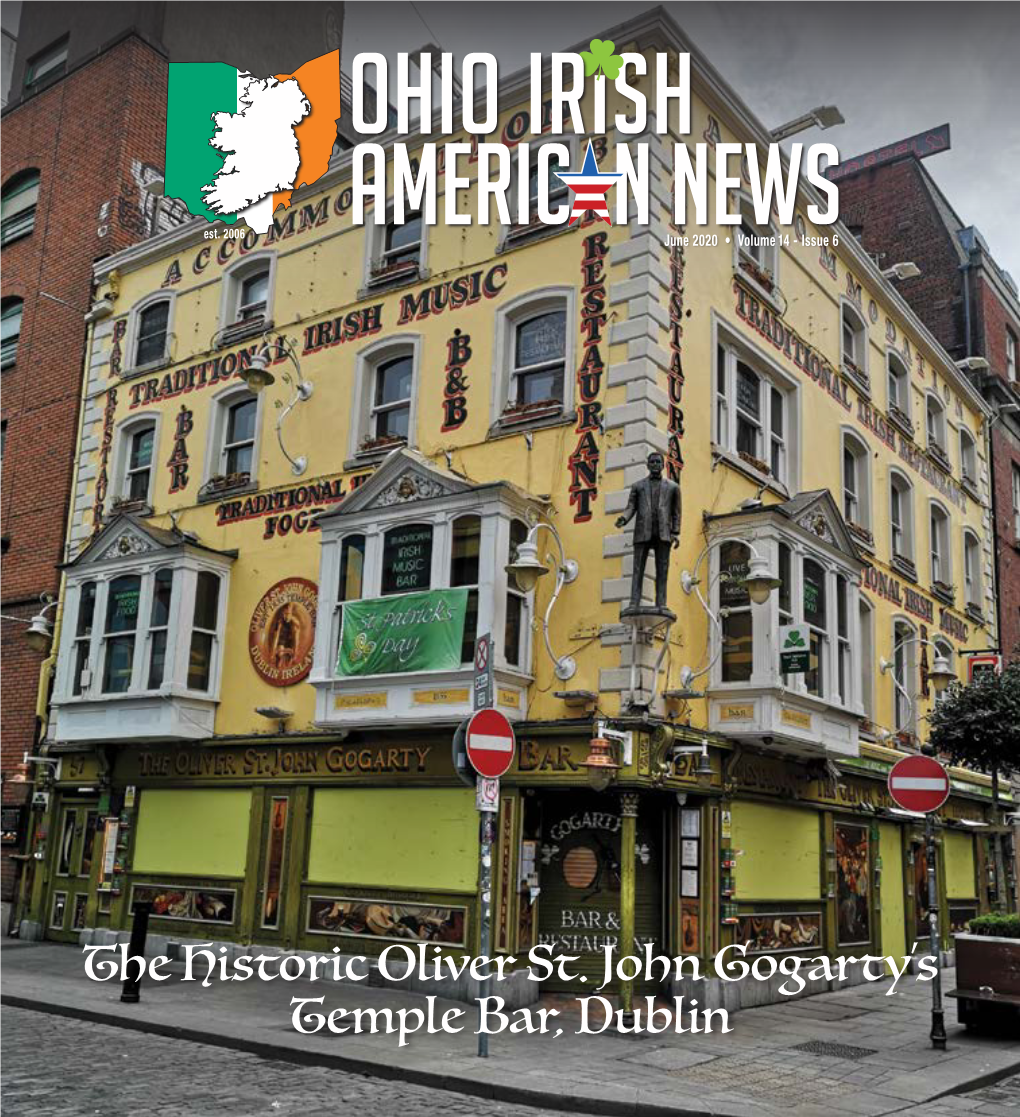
[{"x": 403, "y": 477}]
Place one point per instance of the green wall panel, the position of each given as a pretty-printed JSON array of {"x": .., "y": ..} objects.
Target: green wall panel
[
  {"x": 894, "y": 913},
  {"x": 414, "y": 838},
  {"x": 192, "y": 832},
  {"x": 780, "y": 858},
  {"x": 959, "y": 854}
]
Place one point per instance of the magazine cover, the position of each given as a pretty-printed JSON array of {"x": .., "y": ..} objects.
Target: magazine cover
[{"x": 510, "y": 558}]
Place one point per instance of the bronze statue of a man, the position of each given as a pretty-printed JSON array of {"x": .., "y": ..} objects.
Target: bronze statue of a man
[{"x": 654, "y": 505}]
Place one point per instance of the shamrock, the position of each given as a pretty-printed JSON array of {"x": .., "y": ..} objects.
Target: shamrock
[
  {"x": 795, "y": 640},
  {"x": 601, "y": 60}
]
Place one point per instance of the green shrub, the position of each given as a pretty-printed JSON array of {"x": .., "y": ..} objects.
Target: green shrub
[{"x": 1000, "y": 925}]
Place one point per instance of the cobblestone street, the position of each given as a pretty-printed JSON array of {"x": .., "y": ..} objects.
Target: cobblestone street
[{"x": 56, "y": 1067}]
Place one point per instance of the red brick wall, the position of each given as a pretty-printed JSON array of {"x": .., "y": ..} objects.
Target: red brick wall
[
  {"x": 897, "y": 217},
  {"x": 993, "y": 318},
  {"x": 87, "y": 135},
  {"x": 1006, "y": 453}
]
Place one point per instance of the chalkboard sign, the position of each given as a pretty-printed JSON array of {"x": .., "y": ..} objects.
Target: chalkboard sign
[
  {"x": 122, "y": 605},
  {"x": 733, "y": 567},
  {"x": 407, "y": 559},
  {"x": 11, "y": 825},
  {"x": 814, "y": 594}
]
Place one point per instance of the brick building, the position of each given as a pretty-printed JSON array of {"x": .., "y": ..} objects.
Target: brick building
[
  {"x": 969, "y": 303},
  {"x": 74, "y": 191}
]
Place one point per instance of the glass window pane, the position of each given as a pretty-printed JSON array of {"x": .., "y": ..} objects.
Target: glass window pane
[
  {"x": 733, "y": 566},
  {"x": 737, "y": 656},
  {"x": 407, "y": 559},
  {"x": 467, "y": 647},
  {"x": 141, "y": 448},
  {"x": 540, "y": 339},
  {"x": 813, "y": 676},
  {"x": 86, "y": 608},
  {"x": 81, "y": 659},
  {"x": 748, "y": 391},
  {"x": 538, "y": 387},
  {"x": 207, "y": 599},
  {"x": 200, "y": 661},
  {"x": 241, "y": 421},
  {"x": 157, "y": 660},
  {"x": 842, "y": 596},
  {"x": 785, "y": 581},
  {"x": 255, "y": 289},
  {"x": 122, "y": 603},
  {"x": 405, "y": 236},
  {"x": 514, "y": 629},
  {"x": 393, "y": 381},
  {"x": 10, "y": 323},
  {"x": 393, "y": 423},
  {"x": 161, "y": 592},
  {"x": 152, "y": 323},
  {"x": 777, "y": 413},
  {"x": 352, "y": 564},
  {"x": 465, "y": 546},
  {"x": 239, "y": 460},
  {"x": 814, "y": 594},
  {"x": 120, "y": 654}
]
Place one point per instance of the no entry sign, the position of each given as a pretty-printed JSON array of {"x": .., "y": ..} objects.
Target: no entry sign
[
  {"x": 490, "y": 743},
  {"x": 918, "y": 783}
]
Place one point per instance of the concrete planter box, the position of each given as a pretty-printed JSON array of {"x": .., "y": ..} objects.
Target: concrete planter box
[{"x": 987, "y": 989}]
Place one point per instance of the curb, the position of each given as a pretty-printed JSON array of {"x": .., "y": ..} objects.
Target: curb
[{"x": 494, "y": 1091}]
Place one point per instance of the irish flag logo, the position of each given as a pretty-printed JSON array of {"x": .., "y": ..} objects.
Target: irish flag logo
[{"x": 238, "y": 145}]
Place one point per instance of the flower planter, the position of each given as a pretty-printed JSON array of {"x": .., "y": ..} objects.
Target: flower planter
[{"x": 987, "y": 989}]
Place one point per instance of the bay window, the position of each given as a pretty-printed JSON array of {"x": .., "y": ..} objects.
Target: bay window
[
  {"x": 145, "y": 622},
  {"x": 753, "y": 413}
]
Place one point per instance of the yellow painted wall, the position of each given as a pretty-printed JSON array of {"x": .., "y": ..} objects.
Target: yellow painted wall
[
  {"x": 961, "y": 882},
  {"x": 421, "y": 838},
  {"x": 893, "y": 899},
  {"x": 198, "y": 832},
  {"x": 320, "y": 276},
  {"x": 778, "y": 852}
]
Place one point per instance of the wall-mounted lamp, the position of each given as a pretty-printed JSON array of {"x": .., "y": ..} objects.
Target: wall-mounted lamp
[
  {"x": 823, "y": 116},
  {"x": 39, "y": 634},
  {"x": 601, "y": 763},
  {"x": 257, "y": 376},
  {"x": 940, "y": 675},
  {"x": 21, "y": 774},
  {"x": 703, "y": 769},
  {"x": 905, "y": 270},
  {"x": 275, "y": 713},
  {"x": 527, "y": 568}
]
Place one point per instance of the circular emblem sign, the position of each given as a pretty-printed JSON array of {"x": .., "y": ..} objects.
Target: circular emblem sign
[
  {"x": 281, "y": 635},
  {"x": 918, "y": 783}
]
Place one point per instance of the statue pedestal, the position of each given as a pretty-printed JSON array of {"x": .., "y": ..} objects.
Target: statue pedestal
[{"x": 646, "y": 623}]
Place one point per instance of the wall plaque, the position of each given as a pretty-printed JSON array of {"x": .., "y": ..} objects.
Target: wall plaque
[{"x": 281, "y": 635}]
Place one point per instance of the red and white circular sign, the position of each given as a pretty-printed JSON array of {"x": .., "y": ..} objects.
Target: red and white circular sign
[
  {"x": 490, "y": 743},
  {"x": 918, "y": 783}
]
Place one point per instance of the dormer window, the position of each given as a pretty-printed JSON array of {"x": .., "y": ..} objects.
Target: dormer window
[
  {"x": 146, "y": 613},
  {"x": 413, "y": 537}
]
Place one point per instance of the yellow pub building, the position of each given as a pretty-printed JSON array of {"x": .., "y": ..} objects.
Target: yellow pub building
[{"x": 253, "y": 730}]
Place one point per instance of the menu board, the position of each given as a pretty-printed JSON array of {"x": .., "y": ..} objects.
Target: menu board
[{"x": 407, "y": 559}]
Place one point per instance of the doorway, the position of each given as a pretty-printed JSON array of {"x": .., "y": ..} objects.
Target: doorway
[{"x": 71, "y": 869}]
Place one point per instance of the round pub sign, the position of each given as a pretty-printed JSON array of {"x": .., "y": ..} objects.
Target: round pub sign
[{"x": 281, "y": 636}]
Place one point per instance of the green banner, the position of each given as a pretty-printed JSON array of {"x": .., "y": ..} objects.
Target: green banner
[{"x": 405, "y": 632}]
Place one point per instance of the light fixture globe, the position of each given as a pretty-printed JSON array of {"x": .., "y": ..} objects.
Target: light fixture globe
[
  {"x": 526, "y": 569},
  {"x": 703, "y": 769},
  {"x": 257, "y": 375},
  {"x": 40, "y": 633},
  {"x": 760, "y": 580},
  {"x": 941, "y": 674},
  {"x": 601, "y": 764}
]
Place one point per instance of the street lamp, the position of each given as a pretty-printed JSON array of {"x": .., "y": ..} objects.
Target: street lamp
[
  {"x": 258, "y": 377},
  {"x": 40, "y": 628},
  {"x": 940, "y": 675},
  {"x": 703, "y": 769},
  {"x": 823, "y": 116},
  {"x": 527, "y": 568},
  {"x": 601, "y": 763},
  {"x": 905, "y": 270}
]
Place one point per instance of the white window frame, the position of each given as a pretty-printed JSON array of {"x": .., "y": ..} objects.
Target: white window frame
[
  {"x": 940, "y": 545},
  {"x": 232, "y": 327},
  {"x": 936, "y": 439},
  {"x": 725, "y": 440},
  {"x": 908, "y": 552},
  {"x": 15, "y": 214},
  {"x": 368, "y": 361},
  {"x": 185, "y": 574},
  {"x": 763, "y": 258},
  {"x": 134, "y": 325},
  {"x": 521, "y": 176},
  {"x": 1011, "y": 346},
  {"x": 122, "y": 439},
  {"x": 866, "y": 645},
  {"x": 508, "y": 317},
  {"x": 968, "y": 457},
  {"x": 973, "y": 589},
  {"x": 896, "y": 370},
  {"x": 9, "y": 359},
  {"x": 1015, "y": 477},
  {"x": 858, "y": 448},
  {"x": 215, "y": 453},
  {"x": 854, "y": 366},
  {"x": 375, "y": 248}
]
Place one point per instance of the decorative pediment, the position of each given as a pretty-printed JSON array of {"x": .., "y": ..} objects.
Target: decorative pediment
[
  {"x": 403, "y": 477},
  {"x": 817, "y": 514},
  {"x": 127, "y": 542},
  {"x": 127, "y": 536}
]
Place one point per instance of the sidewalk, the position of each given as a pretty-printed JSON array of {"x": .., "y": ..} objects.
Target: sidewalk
[{"x": 880, "y": 1061}]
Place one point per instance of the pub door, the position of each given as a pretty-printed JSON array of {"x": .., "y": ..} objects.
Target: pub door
[
  {"x": 70, "y": 868},
  {"x": 274, "y": 865},
  {"x": 579, "y": 873}
]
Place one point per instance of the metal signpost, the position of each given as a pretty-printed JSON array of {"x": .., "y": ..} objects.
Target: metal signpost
[
  {"x": 921, "y": 784},
  {"x": 481, "y": 688},
  {"x": 490, "y": 745}
]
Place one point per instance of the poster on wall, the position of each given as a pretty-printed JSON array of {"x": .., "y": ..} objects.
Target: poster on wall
[
  {"x": 853, "y": 890},
  {"x": 385, "y": 919},
  {"x": 778, "y": 932},
  {"x": 689, "y": 918},
  {"x": 281, "y": 633}
]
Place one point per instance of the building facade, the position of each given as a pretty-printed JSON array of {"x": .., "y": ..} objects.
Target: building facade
[
  {"x": 268, "y": 627},
  {"x": 970, "y": 304},
  {"x": 69, "y": 58}
]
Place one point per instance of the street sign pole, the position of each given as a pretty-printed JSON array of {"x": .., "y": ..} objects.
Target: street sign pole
[
  {"x": 938, "y": 1023},
  {"x": 921, "y": 784},
  {"x": 485, "y": 875}
]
